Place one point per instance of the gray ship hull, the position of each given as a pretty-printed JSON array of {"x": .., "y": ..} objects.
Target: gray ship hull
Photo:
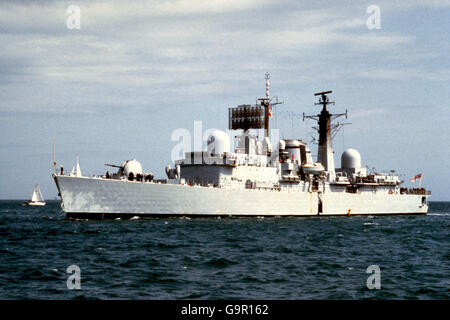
[{"x": 97, "y": 198}]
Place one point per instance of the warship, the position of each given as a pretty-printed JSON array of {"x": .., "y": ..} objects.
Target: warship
[{"x": 256, "y": 178}]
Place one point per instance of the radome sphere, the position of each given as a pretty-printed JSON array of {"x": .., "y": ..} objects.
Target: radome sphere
[
  {"x": 350, "y": 159},
  {"x": 218, "y": 142}
]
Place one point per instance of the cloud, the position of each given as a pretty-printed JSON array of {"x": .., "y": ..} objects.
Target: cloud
[
  {"x": 132, "y": 52},
  {"x": 204, "y": 6},
  {"x": 405, "y": 74},
  {"x": 358, "y": 114}
]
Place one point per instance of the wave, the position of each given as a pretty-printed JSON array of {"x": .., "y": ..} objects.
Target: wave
[{"x": 220, "y": 262}]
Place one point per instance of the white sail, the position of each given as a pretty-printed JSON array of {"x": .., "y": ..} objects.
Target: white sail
[
  {"x": 37, "y": 195},
  {"x": 78, "y": 169},
  {"x": 34, "y": 196},
  {"x": 40, "y": 196}
]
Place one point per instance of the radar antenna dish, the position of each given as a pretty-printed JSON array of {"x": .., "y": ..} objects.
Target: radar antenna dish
[{"x": 254, "y": 116}]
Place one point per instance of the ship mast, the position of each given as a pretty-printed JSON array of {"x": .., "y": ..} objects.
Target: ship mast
[
  {"x": 253, "y": 116},
  {"x": 325, "y": 151},
  {"x": 267, "y": 104}
]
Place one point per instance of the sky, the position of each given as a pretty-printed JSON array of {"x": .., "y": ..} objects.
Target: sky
[{"x": 135, "y": 71}]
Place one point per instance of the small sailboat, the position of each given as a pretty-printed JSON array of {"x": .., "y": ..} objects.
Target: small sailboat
[{"x": 36, "y": 198}]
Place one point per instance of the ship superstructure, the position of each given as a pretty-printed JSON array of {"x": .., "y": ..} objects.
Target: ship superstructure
[{"x": 256, "y": 178}]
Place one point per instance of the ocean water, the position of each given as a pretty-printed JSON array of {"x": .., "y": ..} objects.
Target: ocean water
[{"x": 231, "y": 258}]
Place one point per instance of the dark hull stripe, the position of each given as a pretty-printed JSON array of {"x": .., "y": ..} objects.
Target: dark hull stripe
[{"x": 125, "y": 216}]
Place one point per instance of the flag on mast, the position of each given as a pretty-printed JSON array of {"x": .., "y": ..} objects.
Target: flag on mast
[{"x": 417, "y": 176}]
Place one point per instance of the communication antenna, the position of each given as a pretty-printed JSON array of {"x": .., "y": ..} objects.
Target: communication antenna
[
  {"x": 53, "y": 155},
  {"x": 336, "y": 127},
  {"x": 292, "y": 116},
  {"x": 267, "y": 104}
]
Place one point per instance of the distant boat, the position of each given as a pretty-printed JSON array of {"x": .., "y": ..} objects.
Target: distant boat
[{"x": 36, "y": 198}]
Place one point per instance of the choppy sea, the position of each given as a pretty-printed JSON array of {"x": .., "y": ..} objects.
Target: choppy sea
[{"x": 228, "y": 258}]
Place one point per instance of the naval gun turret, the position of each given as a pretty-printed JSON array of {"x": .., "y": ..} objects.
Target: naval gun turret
[{"x": 130, "y": 169}]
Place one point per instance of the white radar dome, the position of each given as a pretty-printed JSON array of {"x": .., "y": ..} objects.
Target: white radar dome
[
  {"x": 132, "y": 166},
  {"x": 218, "y": 142},
  {"x": 350, "y": 159}
]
